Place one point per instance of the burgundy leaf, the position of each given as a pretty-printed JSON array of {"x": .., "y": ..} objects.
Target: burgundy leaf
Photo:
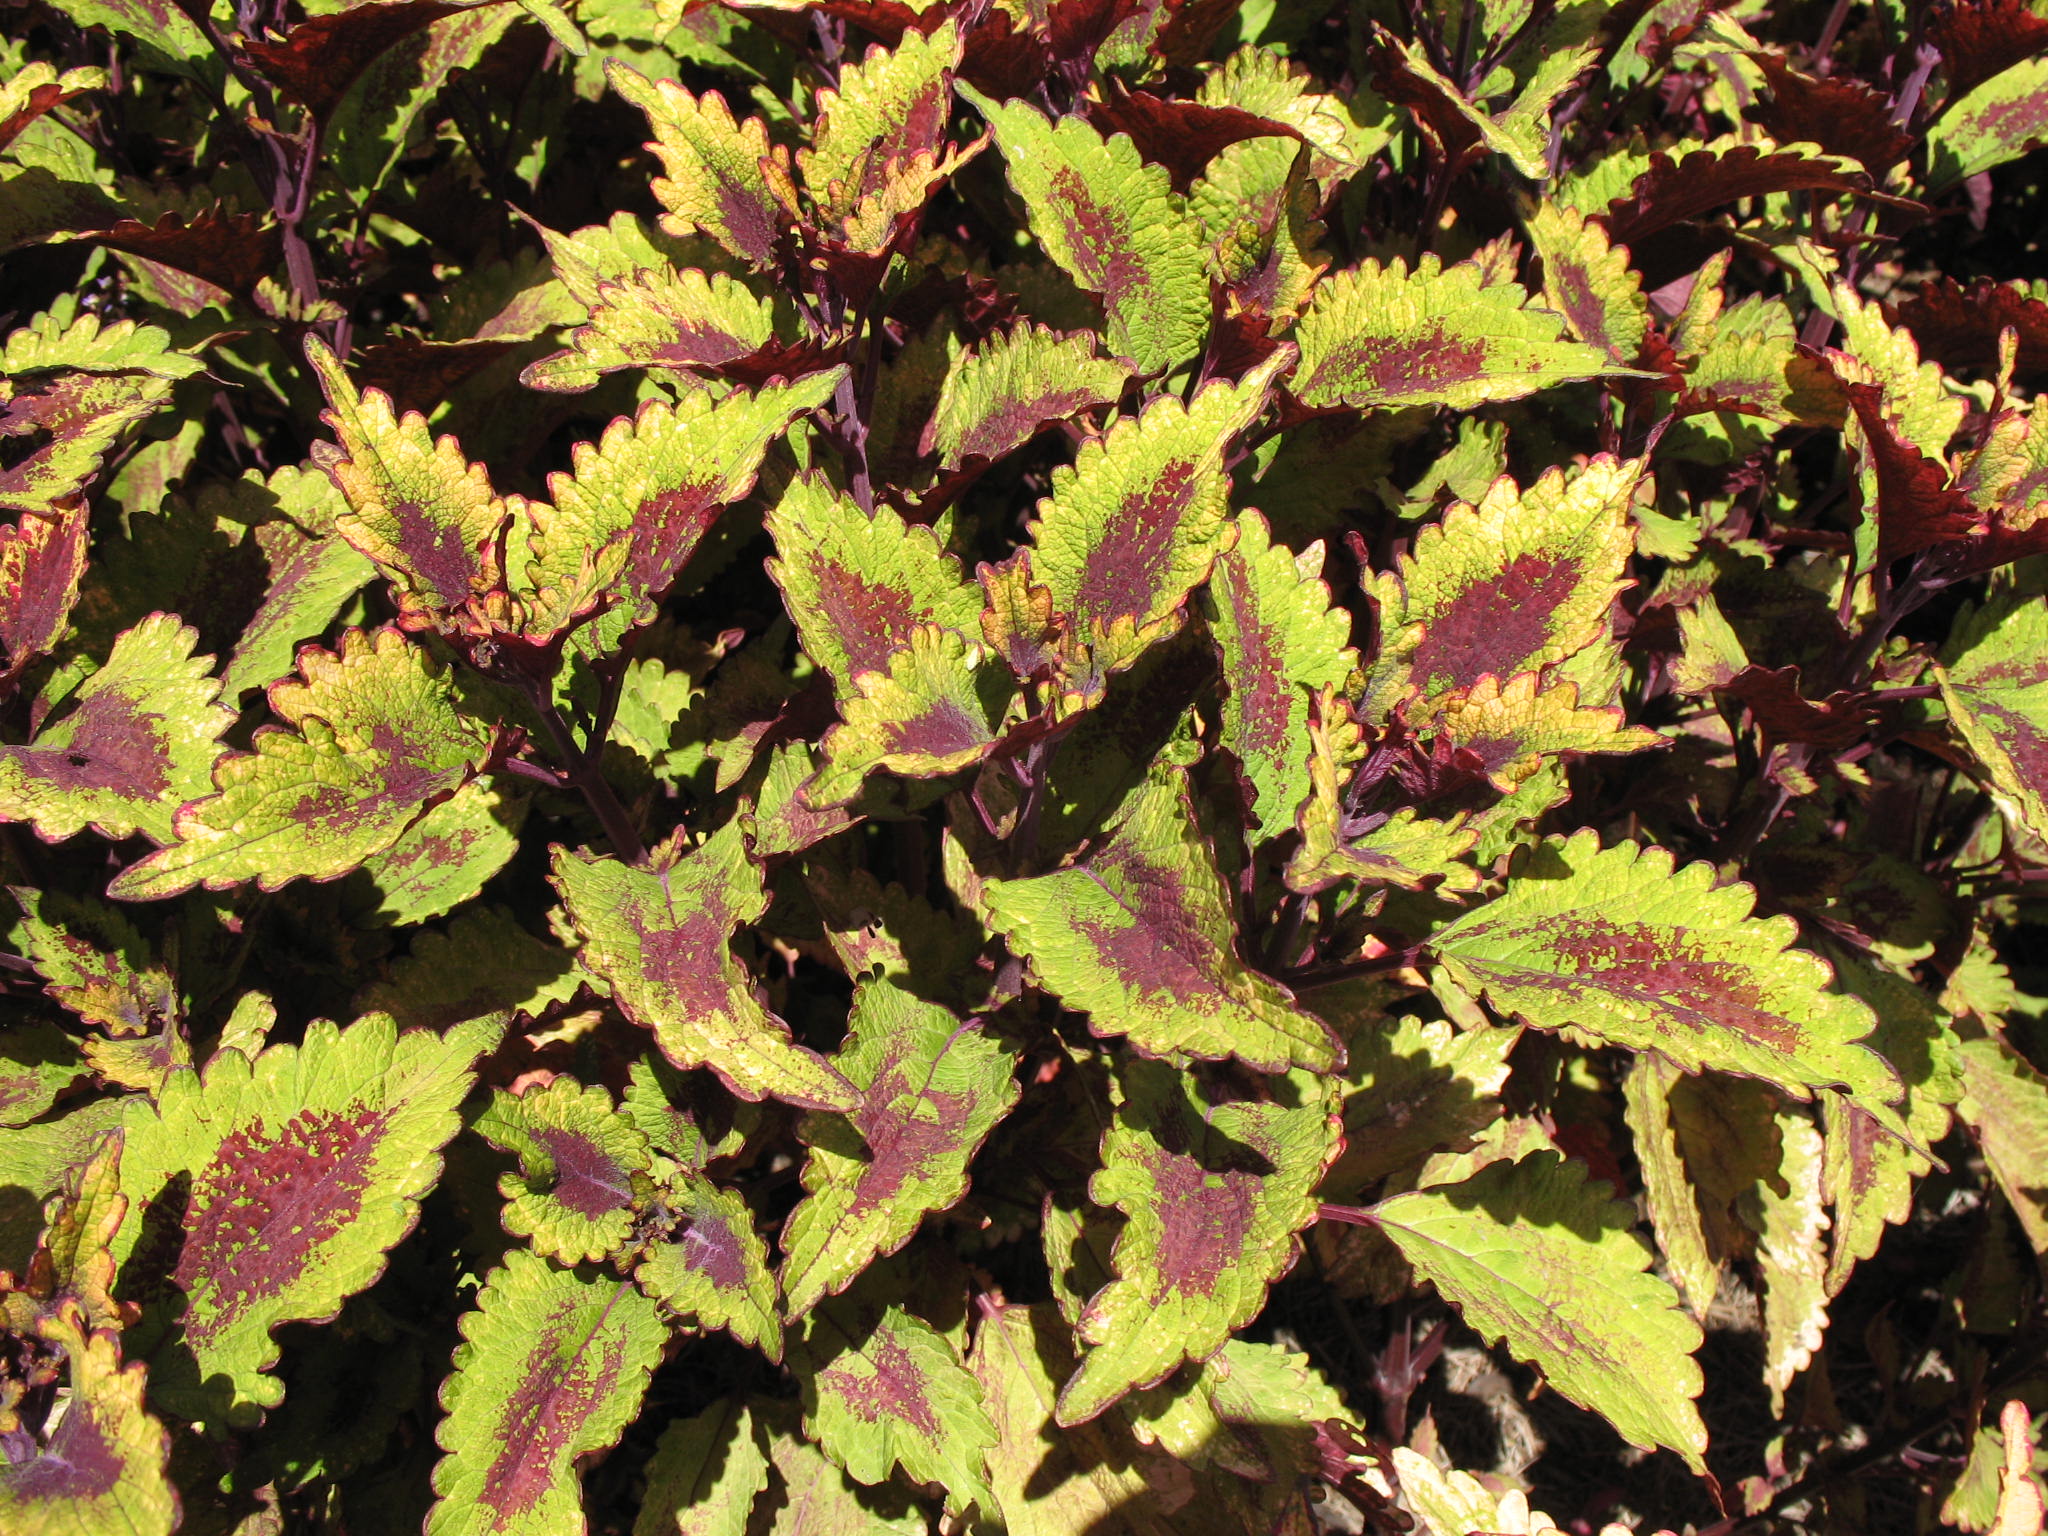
[
  {"x": 1183, "y": 136},
  {"x": 1981, "y": 38},
  {"x": 1190, "y": 29},
  {"x": 1672, "y": 191},
  {"x": 1783, "y": 714},
  {"x": 1916, "y": 507},
  {"x": 230, "y": 250},
  {"x": 41, "y": 561},
  {"x": 1453, "y": 135},
  {"x": 1843, "y": 116},
  {"x": 39, "y": 101},
  {"x": 418, "y": 374},
  {"x": 318, "y": 60},
  {"x": 1961, "y": 326}
]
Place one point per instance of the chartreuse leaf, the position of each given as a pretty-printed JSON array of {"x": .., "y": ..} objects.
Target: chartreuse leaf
[
  {"x": 999, "y": 393},
  {"x": 551, "y": 1368},
  {"x": 484, "y": 963},
  {"x": 374, "y": 735},
  {"x": 1268, "y": 84},
  {"x": 74, "y": 1262},
  {"x": 1512, "y": 730},
  {"x": 1790, "y": 1213},
  {"x": 1519, "y": 582},
  {"x": 1213, "y": 1191},
  {"x": 857, "y": 586},
  {"x": 705, "y": 1475},
  {"x": 94, "y": 962},
  {"x": 818, "y": 1499},
  {"x": 1521, "y": 129},
  {"x": 445, "y": 857},
  {"x": 890, "y": 1390},
  {"x": 1994, "y": 679},
  {"x": 104, "y": 1466},
  {"x": 1381, "y": 336},
  {"x": 583, "y": 1168},
  {"x": 884, "y": 112},
  {"x": 1999, "y": 120},
  {"x": 267, "y": 1192},
  {"x": 660, "y": 936},
  {"x": 940, "y": 707},
  {"x": 2005, "y": 1105},
  {"x": 418, "y": 508},
  {"x": 1137, "y": 521},
  {"x": 1140, "y": 938},
  {"x": 658, "y": 317},
  {"x": 38, "y": 1061},
  {"x": 933, "y": 1088},
  {"x": 1589, "y": 281},
  {"x": 1405, "y": 849},
  {"x": 643, "y": 496},
  {"x": 1667, "y": 1188},
  {"x": 715, "y": 1268},
  {"x": 35, "y": 1160},
  {"x": 1112, "y": 222},
  {"x": 1281, "y": 643},
  {"x": 313, "y": 572},
  {"x": 1530, "y": 1252},
  {"x": 1622, "y": 946},
  {"x": 715, "y": 179},
  {"x": 137, "y": 740},
  {"x": 1457, "y": 1503}
]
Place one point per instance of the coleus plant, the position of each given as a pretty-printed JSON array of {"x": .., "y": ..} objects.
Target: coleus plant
[{"x": 1085, "y": 755}]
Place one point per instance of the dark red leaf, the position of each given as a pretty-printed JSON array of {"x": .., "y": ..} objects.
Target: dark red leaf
[
  {"x": 1981, "y": 38},
  {"x": 318, "y": 60},
  {"x": 1453, "y": 135},
  {"x": 1960, "y": 326},
  {"x": 1843, "y": 116},
  {"x": 1183, "y": 136},
  {"x": 1191, "y": 28},
  {"x": 1076, "y": 28},
  {"x": 41, "y": 561},
  {"x": 1672, "y": 191},
  {"x": 1916, "y": 508},
  {"x": 1783, "y": 714},
  {"x": 39, "y": 101},
  {"x": 230, "y": 250},
  {"x": 417, "y": 374}
]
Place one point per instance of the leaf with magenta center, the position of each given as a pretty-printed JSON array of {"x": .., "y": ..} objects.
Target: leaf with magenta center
[
  {"x": 713, "y": 178},
  {"x": 583, "y": 1168},
  {"x": 933, "y": 1088},
  {"x": 1001, "y": 393},
  {"x": 1994, "y": 679},
  {"x": 659, "y": 317},
  {"x": 885, "y": 112},
  {"x": 713, "y": 1269},
  {"x": 136, "y": 741},
  {"x": 268, "y": 1192},
  {"x": 551, "y": 1369},
  {"x": 1213, "y": 1190},
  {"x": 371, "y": 737},
  {"x": 94, "y": 962},
  {"x": 939, "y": 707},
  {"x": 1140, "y": 937},
  {"x": 1630, "y": 950},
  {"x": 660, "y": 936}
]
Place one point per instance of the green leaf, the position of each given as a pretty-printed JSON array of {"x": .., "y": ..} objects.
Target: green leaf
[
  {"x": 1667, "y": 1188},
  {"x": 418, "y": 508},
  {"x": 104, "y": 1467},
  {"x": 1112, "y": 222},
  {"x": 1378, "y": 336},
  {"x": 1140, "y": 937},
  {"x": 1521, "y": 129},
  {"x": 268, "y": 1192},
  {"x": 38, "y": 1061},
  {"x": 715, "y": 179},
  {"x": 818, "y": 1499},
  {"x": 1000, "y": 394},
  {"x": 858, "y": 587},
  {"x": 661, "y": 937},
  {"x": 1994, "y": 679},
  {"x": 446, "y": 857},
  {"x": 583, "y": 1168},
  {"x": 2000, "y": 120},
  {"x": 34, "y": 1160},
  {"x": 1513, "y": 730},
  {"x": 641, "y": 499},
  {"x": 1791, "y": 1218},
  {"x": 940, "y": 707},
  {"x": 705, "y": 1475},
  {"x": 95, "y": 962},
  {"x": 1524, "y": 580},
  {"x": 484, "y": 963},
  {"x": 374, "y": 736},
  {"x": 311, "y": 577},
  {"x": 658, "y": 318},
  {"x": 1343, "y": 135},
  {"x": 1281, "y": 642},
  {"x": 1588, "y": 280},
  {"x": 715, "y": 1268},
  {"x": 1411, "y": 1090},
  {"x": 1213, "y": 1191},
  {"x": 2005, "y": 1105},
  {"x": 892, "y": 1391},
  {"x": 1532, "y": 1253},
  {"x": 1630, "y": 950},
  {"x": 886, "y": 114},
  {"x": 932, "y": 1089},
  {"x": 1140, "y": 517},
  {"x": 551, "y": 1368}
]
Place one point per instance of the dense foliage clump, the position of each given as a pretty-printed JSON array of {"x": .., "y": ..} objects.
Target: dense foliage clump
[{"x": 1068, "y": 766}]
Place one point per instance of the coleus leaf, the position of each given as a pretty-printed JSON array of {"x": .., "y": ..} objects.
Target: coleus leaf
[
  {"x": 714, "y": 1268},
  {"x": 1411, "y": 1088},
  {"x": 1137, "y": 521},
  {"x": 444, "y": 858},
  {"x": 858, "y": 586},
  {"x": 310, "y": 579},
  {"x": 705, "y": 1475},
  {"x": 1002, "y": 392},
  {"x": 74, "y": 1261},
  {"x": 1381, "y": 336},
  {"x": 418, "y": 508},
  {"x": 552, "y": 1367},
  {"x": 1961, "y": 325},
  {"x": 714, "y": 181},
  {"x": 1140, "y": 937},
  {"x": 1531, "y": 1252},
  {"x": 1520, "y": 130},
  {"x": 38, "y": 1061},
  {"x": 34, "y": 88},
  {"x": 886, "y": 113},
  {"x": 1790, "y": 1214},
  {"x": 583, "y": 1168},
  {"x": 1213, "y": 1190},
  {"x": 1510, "y": 730},
  {"x": 1693, "y": 1262},
  {"x": 484, "y": 963},
  {"x": 94, "y": 962},
  {"x": 268, "y": 1192},
  {"x": 1998, "y": 121},
  {"x": 1112, "y": 223},
  {"x": 1588, "y": 280},
  {"x": 1521, "y": 581},
  {"x": 641, "y": 499},
  {"x": 660, "y": 936},
  {"x": 819, "y": 1499},
  {"x": 2005, "y": 1106},
  {"x": 1632, "y": 951},
  {"x": 104, "y": 1467},
  {"x": 1839, "y": 113},
  {"x": 1281, "y": 642},
  {"x": 933, "y": 1088},
  {"x": 135, "y": 742},
  {"x": 1994, "y": 679},
  {"x": 939, "y": 708},
  {"x": 1981, "y": 38},
  {"x": 373, "y": 734},
  {"x": 1265, "y": 82},
  {"x": 889, "y": 1390},
  {"x": 659, "y": 317},
  {"x": 35, "y": 1162},
  {"x": 1915, "y": 507},
  {"x": 1673, "y": 189},
  {"x": 316, "y": 61},
  {"x": 42, "y": 558}
]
